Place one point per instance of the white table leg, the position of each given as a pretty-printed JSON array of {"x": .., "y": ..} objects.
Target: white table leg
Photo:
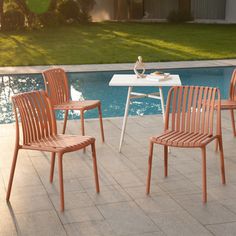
[
  {"x": 125, "y": 117},
  {"x": 162, "y": 103}
]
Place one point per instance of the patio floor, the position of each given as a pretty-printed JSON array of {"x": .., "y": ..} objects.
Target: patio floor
[{"x": 122, "y": 208}]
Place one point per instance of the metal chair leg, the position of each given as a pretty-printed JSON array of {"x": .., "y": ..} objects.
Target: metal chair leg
[
  {"x": 53, "y": 154},
  {"x": 65, "y": 121},
  {"x": 222, "y": 165},
  {"x": 204, "y": 180},
  {"x": 95, "y": 167},
  {"x": 60, "y": 172},
  {"x": 149, "y": 168},
  {"x": 101, "y": 123},
  {"x": 166, "y": 160},
  {"x": 82, "y": 125},
  {"x": 233, "y": 121},
  {"x": 13, "y": 166}
]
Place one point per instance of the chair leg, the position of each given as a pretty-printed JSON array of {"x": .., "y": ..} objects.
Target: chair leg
[
  {"x": 95, "y": 167},
  {"x": 149, "y": 168},
  {"x": 82, "y": 125},
  {"x": 13, "y": 166},
  {"x": 82, "y": 122},
  {"x": 65, "y": 121},
  {"x": 216, "y": 145},
  {"x": 204, "y": 181},
  {"x": 222, "y": 165},
  {"x": 166, "y": 160},
  {"x": 53, "y": 154},
  {"x": 233, "y": 121},
  {"x": 60, "y": 171},
  {"x": 101, "y": 123}
]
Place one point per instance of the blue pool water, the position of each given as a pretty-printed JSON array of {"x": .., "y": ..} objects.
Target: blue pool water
[{"x": 94, "y": 85}]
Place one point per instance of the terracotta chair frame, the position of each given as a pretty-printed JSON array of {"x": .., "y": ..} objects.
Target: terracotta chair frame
[
  {"x": 39, "y": 132},
  {"x": 230, "y": 103},
  {"x": 56, "y": 85},
  {"x": 190, "y": 127}
]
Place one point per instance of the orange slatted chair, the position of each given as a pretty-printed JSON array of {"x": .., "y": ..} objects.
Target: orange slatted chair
[
  {"x": 40, "y": 133},
  {"x": 230, "y": 103},
  {"x": 56, "y": 85},
  {"x": 189, "y": 124}
]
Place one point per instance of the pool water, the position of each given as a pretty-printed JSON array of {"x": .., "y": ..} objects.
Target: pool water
[{"x": 95, "y": 85}]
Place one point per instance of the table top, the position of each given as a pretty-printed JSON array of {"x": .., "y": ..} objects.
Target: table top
[{"x": 131, "y": 80}]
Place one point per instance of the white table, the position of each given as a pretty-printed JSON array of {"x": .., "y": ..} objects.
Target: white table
[{"x": 131, "y": 81}]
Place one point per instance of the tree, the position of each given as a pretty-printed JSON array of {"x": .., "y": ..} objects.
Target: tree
[
  {"x": 1, "y": 12},
  {"x": 53, "y": 5},
  {"x": 30, "y": 16},
  {"x": 122, "y": 9}
]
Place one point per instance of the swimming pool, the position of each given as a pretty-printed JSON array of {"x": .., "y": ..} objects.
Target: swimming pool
[{"x": 94, "y": 85}]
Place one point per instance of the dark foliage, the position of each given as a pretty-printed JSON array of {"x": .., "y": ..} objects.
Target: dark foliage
[
  {"x": 69, "y": 10},
  {"x": 49, "y": 19},
  {"x": 13, "y": 20},
  {"x": 85, "y": 7}
]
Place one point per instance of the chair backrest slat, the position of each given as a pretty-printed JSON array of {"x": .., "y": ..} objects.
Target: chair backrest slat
[
  {"x": 211, "y": 117},
  {"x": 232, "y": 89},
  {"x": 180, "y": 93},
  {"x": 203, "y": 109},
  {"x": 174, "y": 108},
  {"x": 56, "y": 85},
  {"x": 194, "y": 109},
  {"x": 184, "y": 110},
  {"x": 191, "y": 109},
  {"x": 37, "y": 117},
  {"x": 190, "y": 98},
  {"x": 199, "y": 104}
]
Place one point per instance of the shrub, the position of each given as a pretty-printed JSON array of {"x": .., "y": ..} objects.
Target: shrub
[
  {"x": 13, "y": 20},
  {"x": 49, "y": 19},
  {"x": 179, "y": 16},
  {"x": 85, "y": 6},
  {"x": 69, "y": 10}
]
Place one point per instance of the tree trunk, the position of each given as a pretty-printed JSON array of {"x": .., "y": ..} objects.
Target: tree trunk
[
  {"x": 122, "y": 7},
  {"x": 1, "y": 13},
  {"x": 29, "y": 15},
  {"x": 53, "y": 5}
]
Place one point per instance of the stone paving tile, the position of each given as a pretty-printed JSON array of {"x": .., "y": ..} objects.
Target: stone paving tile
[
  {"x": 127, "y": 179},
  {"x": 28, "y": 191},
  {"x": 89, "y": 228},
  {"x": 7, "y": 224},
  {"x": 25, "y": 204},
  {"x": 24, "y": 176},
  {"x": 70, "y": 185},
  {"x": 229, "y": 203},
  {"x": 174, "y": 206},
  {"x": 180, "y": 186},
  {"x": 112, "y": 195},
  {"x": 228, "y": 229},
  {"x": 72, "y": 200},
  {"x": 80, "y": 215},
  {"x": 89, "y": 183},
  {"x": 179, "y": 223},
  {"x": 210, "y": 213},
  {"x": 153, "y": 205},
  {"x": 39, "y": 223},
  {"x": 127, "y": 218},
  {"x": 157, "y": 233},
  {"x": 140, "y": 191}
]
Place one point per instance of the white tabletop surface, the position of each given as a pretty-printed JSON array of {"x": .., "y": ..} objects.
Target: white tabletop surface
[{"x": 132, "y": 80}]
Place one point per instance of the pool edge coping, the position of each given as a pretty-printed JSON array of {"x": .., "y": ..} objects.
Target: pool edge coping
[{"x": 13, "y": 70}]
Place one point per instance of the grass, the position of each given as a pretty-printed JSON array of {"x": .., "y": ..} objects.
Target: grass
[{"x": 118, "y": 42}]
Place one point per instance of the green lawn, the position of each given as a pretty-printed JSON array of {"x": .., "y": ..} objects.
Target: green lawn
[{"x": 118, "y": 42}]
